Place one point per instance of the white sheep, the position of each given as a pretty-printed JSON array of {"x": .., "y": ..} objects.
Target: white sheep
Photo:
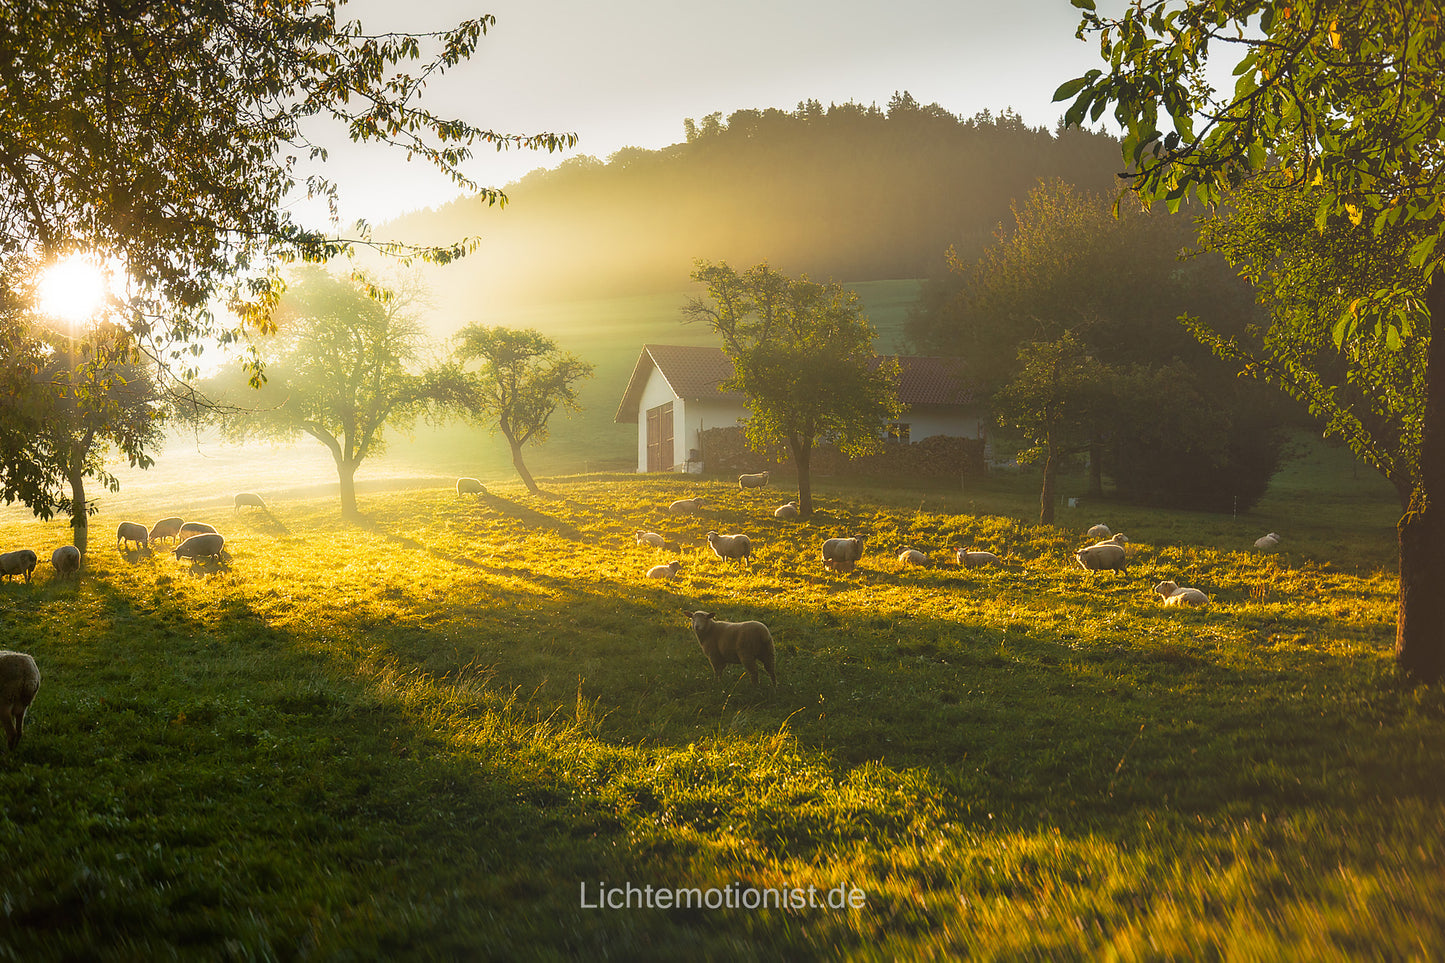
[
  {"x": 128, "y": 532},
  {"x": 651, "y": 538},
  {"x": 731, "y": 546},
  {"x": 1172, "y": 594},
  {"x": 748, "y": 644},
  {"x": 912, "y": 556},
  {"x": 974, "y": 559},
  {"x": 842, "y": 554},
  {"x": 470, "y": 486},
  {"x": 249, "y": 498},
  {"x": 19, "y": 562},
  {"x": 19, "y": 681},
  {"x": 1104, "y": 556},
  {"x": 686, "y": 506},
  {"x": 167, "y": 528},
  {"x": 1267, "y": 543},
  {"x": 66, "y": 560},
  {"x": 665, "y": 571},
  {"x": 201, "y": 546},
  {"x": 753, "y": 481},
  {"x": 194, "y": 528},
  {"x": 1099, "y": 532},
  {"x": 790, "y": 510}
]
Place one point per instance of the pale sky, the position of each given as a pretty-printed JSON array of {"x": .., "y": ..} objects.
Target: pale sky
[{"x": 627, "y": 72}]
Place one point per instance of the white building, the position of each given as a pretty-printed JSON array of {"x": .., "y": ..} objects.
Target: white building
[{"x": 674, "y": 394}]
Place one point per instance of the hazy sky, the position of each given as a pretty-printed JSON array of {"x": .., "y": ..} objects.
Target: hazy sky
[{"x": 626, "y": 73}]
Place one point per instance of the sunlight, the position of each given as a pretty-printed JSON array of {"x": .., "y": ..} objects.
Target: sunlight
[{"x": 73, "y": 289}]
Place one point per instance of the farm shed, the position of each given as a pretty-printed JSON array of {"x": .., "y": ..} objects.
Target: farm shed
[{"x": 674, "y": 393}]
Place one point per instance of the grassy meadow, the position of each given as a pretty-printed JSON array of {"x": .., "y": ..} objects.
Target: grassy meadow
[{"x": 442, "y": 732}]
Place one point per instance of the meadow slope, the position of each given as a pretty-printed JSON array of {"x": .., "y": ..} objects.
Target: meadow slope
[{"x": 435, "y": 733}]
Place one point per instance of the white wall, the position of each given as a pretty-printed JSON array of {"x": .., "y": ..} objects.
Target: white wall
[
  {"x": 657, "y": 392},
  {"x": 925, "y": 421}
]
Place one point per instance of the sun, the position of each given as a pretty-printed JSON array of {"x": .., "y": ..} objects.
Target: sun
[{"x": 73, "y": 289}]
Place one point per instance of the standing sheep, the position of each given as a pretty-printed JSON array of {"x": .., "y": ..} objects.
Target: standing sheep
[
  {"x": 842, "y": 554},
  {"x": 731, "y": 546},
  {"x": 753, "y": 481},
  {"x": 167, "y": 528},
  {"x": 1267, "y": 543},
  {"x": 686, "y": 506},
  {"x": 1172, "y": 594},
  {"x": 1103, "y": 557},
  {"x": 789, "y": 510},
  {"x": 651, "y": 538},
  {"x": 66, "y": 560},
  {"x": 20, "y": 562},
  {"x": 200, "y": 546},
  {"x": 194, "y": 528},
  {"x": 129, "y": 532},
  {"x": 747, "y": 644},
  {"x": 911, "y": 556},
  {"x": 970, "y": 559},
  {"x": 470, "y": 486},
  {"x": 1099, "y": 532},
  {"x": 665, "y": 571},
  {"x": 19, "y": 681},
  {"x": 249, "y": 498}
]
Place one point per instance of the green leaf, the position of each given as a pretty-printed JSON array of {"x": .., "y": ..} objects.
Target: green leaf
[{"x": 1083, "y": 4}]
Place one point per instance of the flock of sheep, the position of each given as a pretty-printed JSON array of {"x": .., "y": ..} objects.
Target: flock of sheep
[{"x": 750, "y": 644}]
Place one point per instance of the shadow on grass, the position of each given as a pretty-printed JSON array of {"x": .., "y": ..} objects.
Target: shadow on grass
[{"x": 530, "y": 516}]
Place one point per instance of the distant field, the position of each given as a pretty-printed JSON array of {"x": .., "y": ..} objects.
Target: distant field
[{"x": 439, "y": 734}]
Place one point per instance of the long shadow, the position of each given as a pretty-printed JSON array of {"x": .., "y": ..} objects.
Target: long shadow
[{"x": 530, "y": 516}]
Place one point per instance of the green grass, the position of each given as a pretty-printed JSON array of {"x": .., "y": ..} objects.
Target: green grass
[{"x": 421, "y": 736}]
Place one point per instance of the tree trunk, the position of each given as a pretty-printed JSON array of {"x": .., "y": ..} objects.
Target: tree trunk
[
  {"x": 1046, "y": 497},
  {"x": 801, "y": 455},
  {"x": 526, "y": 476},
  {"x": 79, "y": 518},
  {"x": 1420, "y": 622},
  {"x": 347, "y": 475}
]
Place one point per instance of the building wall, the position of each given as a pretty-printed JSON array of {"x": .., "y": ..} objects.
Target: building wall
[
  {"x": 657, "y": 392},
  {"x": 702, "y": 415},
  {"x": 925, "y": 421}
]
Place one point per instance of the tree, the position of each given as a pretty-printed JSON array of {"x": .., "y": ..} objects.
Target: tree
[
  {"x": 342, "y": 370},
  {"x": 802, "y": 353},
  {"x": 171, "y": 138},
  {"x": 1344, "y": 99},
  {"x": 1053, "y": 400},
  {"x": 524, "y": 379}
]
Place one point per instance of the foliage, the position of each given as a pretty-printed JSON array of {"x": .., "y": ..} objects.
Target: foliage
[
  {"x": 343, "y": 369},
  {"x": 802, "y": 353},
  {"x": 524, "y": 380}
]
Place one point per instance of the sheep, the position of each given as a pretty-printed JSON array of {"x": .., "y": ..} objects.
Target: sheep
[
  {"x": 194, "y": 528},
  {"x": 734, "y": 643},
  {"x": 651, "y": 538},
  {"x": 790, "y": 510},
  {"x": 1103, "y": 556},
  {"x": 1172, "y": 594},
  {"x": 1267, "y": 543},
  {"x": 167, "y": 528},
  {"x": 753, "y": 481},
  {"x": 1118, "y": 538},
  {"x": 249, "y": 498},
  {"x": 129, "y": 532},
  {"x": 66, "y": 560},
  {"x": 200, "y": 546},
  {"x": 971, "y": 559},
  {"x": 665, "y": 571},
  {"x": 1099, "y": 532},
  {"x": 731, "y": 546},
  {"x": 470, "y": 486},
  {"x": 911, "y": 556},
  {"x": 686, "y": 506},
  {"x": 19, "y": 681},
  {"x": 21, "y": 562},
  {"x": 841, "y": 554}
]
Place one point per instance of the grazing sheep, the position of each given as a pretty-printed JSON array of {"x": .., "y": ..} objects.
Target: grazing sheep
[
  {"x": 911, "y": 556},
  {"x": 1103, "y": 556},
  {"x": 651, "y": 538},
  {"x": 21, "y": 562},
  {"x": 686, "y": 506},
  {"x": 194, "y": 528},
  {"x": 1172, "y": 594},
  {"x": 167, "y": 528},
  {"x": 249, "y": 498},
  {"x": 969, "y": 559},
  {"x": 665, "y": 571},
  {"x": 66, "y": 560},
  {"x": 731, "y": 546},
  {"x": 129, "y": 532},
  {"x": 1099, "y": 532},
  {"x": 747, "y": 644},
  {"x": 842, "y": 554},
  {"x": 19, "y": 681},
  {"x": 753, "y": 481},
  {"x": 1267, "y": 543},
  {"x": 790, "y": 510},
  {"x": 1118, "y": 538},
  {"x": 200, "y": 546},
  {"x": 470, "y": 486}
]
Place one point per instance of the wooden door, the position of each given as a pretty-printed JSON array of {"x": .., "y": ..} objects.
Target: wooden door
[{"x": 659, "y": 438}]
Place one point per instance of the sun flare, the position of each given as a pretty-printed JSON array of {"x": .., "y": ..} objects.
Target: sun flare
[{"x": 73, "y": 289}]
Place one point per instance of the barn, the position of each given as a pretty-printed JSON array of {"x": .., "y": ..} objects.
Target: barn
[{"x": 675, "y": 392}]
